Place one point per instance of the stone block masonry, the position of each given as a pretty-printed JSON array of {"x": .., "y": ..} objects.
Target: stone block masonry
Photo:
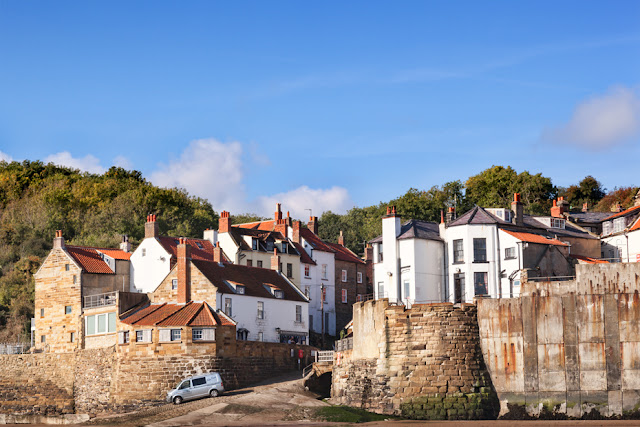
[{"x": 422, "y": 363}]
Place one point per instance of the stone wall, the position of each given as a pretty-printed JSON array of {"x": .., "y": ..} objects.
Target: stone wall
[
  {"x": 93, "y": 380},
  {"x": 37, "y": 383},
  {"x": 423, "y": 363},
  {"x": 567, "y": 347}
]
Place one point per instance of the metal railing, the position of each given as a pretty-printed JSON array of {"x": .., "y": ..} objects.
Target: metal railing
[
  {"x": 344, "y": 344},
  {"x": 550, "y": 278},
  {"x": 364, "y": 297},
  {"x": 324, "y": 356},
  {"x": 307, "y": 370},
  {"x": 99, "y": 300},
  {"x": 14, "y": 348}
]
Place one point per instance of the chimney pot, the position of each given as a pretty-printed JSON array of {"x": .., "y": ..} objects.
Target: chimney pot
[
  {"x": 224, "y": 223},
  {"x": 341, "y": 239},
  {"x": 58, "y": 240},
  {"x": 151, "y": 227}
]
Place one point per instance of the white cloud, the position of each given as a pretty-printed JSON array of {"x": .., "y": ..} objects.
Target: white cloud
[
  {"x": 602, "y": 121},
  {"x": 335, "y": 199},
  {"x": 207, "y": 168},
  {"x": 4, "y": 157},
  {"x": 87, "y": 163},
  {"x": 214, "y": 170},
  {"x": 123, "y": 162}
]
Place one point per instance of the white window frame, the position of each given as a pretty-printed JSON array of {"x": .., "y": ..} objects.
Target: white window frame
[
  {"x": 307, "y": 270},
  {"x": 324, "y": 271},
  {"x": 278, "y": 293},
  {"x": 240, "y": 289},
  {"x": 206, "y": 334},
  {"x": 174, "y": 284},
  {"x": 298, "y": 314},
  {"x": 359, "y": 277},
  {"x": 510, "y": 253},
  {"x": 607, "y": 227},
  {"x": 619, "y": 224},
  {"x": 344, "y": 275},
  {"x": 260, "y": 336},
  {"x": 143, "y": 335},
  {"x": 344, "y": 296},
  {"x": 228, "y": 307},
  {"x": 110, "y": 323},
  {"x": 260, "y": 310}
]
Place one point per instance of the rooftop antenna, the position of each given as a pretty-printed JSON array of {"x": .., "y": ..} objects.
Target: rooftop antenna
[{"x": 310, "y": 212}]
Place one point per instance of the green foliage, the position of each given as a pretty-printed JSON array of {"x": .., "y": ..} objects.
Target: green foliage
[
  {"x": 246, "y": 218},
  {"x": 589, "y": 190},
  {"x": 347, "y": 414},
  {"x": 93, "y": 210},
  {"x": 625, "y": 196}
]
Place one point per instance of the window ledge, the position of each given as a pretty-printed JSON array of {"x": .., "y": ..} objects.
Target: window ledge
[
  {"x": 511, "y": 257},
  {"x": 170, "y": 342},
  {"x": 481, "y": 262},
  {"x": 458, "y": 262}
]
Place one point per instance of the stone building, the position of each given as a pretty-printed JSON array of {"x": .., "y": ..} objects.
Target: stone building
[{"x": 76, "y": 296}]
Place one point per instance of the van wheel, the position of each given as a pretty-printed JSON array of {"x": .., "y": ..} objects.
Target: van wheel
[
  {"x": 213, "y": 393},
  {"x": 177, "y": 400}
]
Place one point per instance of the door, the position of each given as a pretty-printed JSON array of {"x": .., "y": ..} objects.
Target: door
[{"x": 458, "y": 287}]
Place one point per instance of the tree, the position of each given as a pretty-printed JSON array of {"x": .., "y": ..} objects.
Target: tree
[
  {"x": 625, "y": 196},
  {"x": 589, "y": 191}
]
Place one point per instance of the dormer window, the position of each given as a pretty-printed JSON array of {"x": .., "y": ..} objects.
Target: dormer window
[
  {"x": 278, "y": 293},
  {"x": 557, "y": 223},
  {"x": 284, "y": 247},
  {"x": 240, "y": 289},
  {"x": 269, "y": 246},
  {"x": 254, "y": 244},
  {"x": 619, "y": 224},
  {"x": 199, "y": 245},
  {"x": 607, "y": 228}
]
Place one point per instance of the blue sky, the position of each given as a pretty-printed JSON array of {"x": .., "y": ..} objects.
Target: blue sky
[{"x": 325, "y": 105}]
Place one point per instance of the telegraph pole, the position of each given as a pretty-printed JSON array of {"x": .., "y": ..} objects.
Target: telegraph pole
[{"x": 322, "y": 311}]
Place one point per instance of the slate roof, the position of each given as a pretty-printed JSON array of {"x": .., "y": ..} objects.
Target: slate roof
[
  {"x": 236, "y": 234},
  {"x": 416, "y": 229},
  {"x": 534, "y": 238},
  {"x": 170, "y": 314},
  {"x": 477, "y": 215},
  {"x": 345, "y": 254},
  {"x": 90, "y": 260},
  {"x": 252, "y": 278},
  {"x": 569, "y": 230},
  {"x": 589, "y": 216}
]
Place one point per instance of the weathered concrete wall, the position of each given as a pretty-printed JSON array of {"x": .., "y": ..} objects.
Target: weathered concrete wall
[
  {"x": 568, "y": 347},
  {"x": 423, "y": 363}
]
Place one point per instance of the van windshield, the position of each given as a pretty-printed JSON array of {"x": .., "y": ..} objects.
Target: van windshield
[{"x": 185, "y": 384}]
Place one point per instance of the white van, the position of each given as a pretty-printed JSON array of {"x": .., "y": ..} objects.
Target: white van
[{"x": 195, "y": 387}]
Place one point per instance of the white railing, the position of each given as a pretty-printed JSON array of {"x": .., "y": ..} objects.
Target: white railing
[
  {"x": 99, "y": 300},
  {"x": 344, "y": 344},
  {"x": 14, "y": 348},
  {"x": 324, "y": 356}
]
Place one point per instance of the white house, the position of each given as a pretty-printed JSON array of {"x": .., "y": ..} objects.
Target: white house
[
  {"x": 620, "y": 238},
  {"x": 154, "y": 258},
  {"x": 408, "y": 261}
]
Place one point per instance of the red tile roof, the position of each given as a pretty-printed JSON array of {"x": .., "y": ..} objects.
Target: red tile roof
[
  {"x": 315, "y": 241},
  {"x": 534, "y": 238},
  {"x": 170, "y": 314},
  {"x": 116, "y": 253},
  {"x": 89, "y": 259},
  {"x": 623, "y": 213},
  {"x": 200, "y": 249},
  {"x": 262, "y": 225},
  {"x": 252, "y": 278},
  {"x": 635, "y": 226},
  {"x": 589, "y": 260},
  {"x": 345, "y": 254},
  {"x": 304, "y": 256}
]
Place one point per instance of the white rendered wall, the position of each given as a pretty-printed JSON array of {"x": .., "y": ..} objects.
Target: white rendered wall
[
  {"x": 389, "y": 272},
  {"x": 278, "y": 313},
  {"x": 148, "y": 271},
  {"x": 229, "y": 247},
  {"x": 510, "y": 266}
]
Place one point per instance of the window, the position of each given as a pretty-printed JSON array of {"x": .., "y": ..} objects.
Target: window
[
  {"x": 380, "y": 253},
  {"x": 42, "y": 312},
  {"x": 479, "y": 250},
  {"x": 299, "y": 313},
  {"x": 125, "y": 337},
  {"x": 359, "y": 277},
  {"x": 284, "y": 247},
  {"x": 307, "y": 270},
  {"x": 174, "y": 284},
  {"x": 278, "y": 293},
  {"x": 144, "y": 252},
  {"x": 306, "y": 291},
  {"x": 557, "y": 223},
  {"x": 185, "y": 384},
  {"x": 72, "y": 337},
  {"x": 100, "y": 323},
  {"x": 259, "y": 264},
  {"x": 480, "y": 283},
  {"x": 140, "y": 336},
  {"x": 176, "y": 334},
  {"x": 254, "y": 243},
  {"x": 249, "y": 263},
  {"x": 618, "y": 224},
  {"x": 344, "y": 275},
  {"x": 260, "y": 314},
  {"x": 607, "y": 227},
  {"x": 458, "y": 288},
  {"x": 458, "y": 251},
  {"x": 344, "y": 296},
  {"x": 509, "y": 253},
  {"x": 66, "y": 267},
  {"x": 289, "y": 270},
  {"x": 407, "y": 289},
  {"x": 67, "y": 309},
  {"x": 324, "y": 271},
  {"x": 43, "y": 338},
  {"x": 240, "y": 289},
  {"x": 199, "y": 245},
  {"x": 270, "y": 246},
  {"x": 74, "y": 279},
  {"x": 280, "y": 267},
  {"x": 203, "y": 334},
  {"x": 227, "y": 307},
  {"x": 381, "y": 290},
  {"x": 260, "y": 336}
]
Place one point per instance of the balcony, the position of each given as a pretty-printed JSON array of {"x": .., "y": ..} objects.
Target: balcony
[{"x": 99, "y": 300}]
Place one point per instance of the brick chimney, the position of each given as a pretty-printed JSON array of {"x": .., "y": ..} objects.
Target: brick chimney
[
  {"x": 518, "y": 210},
  {"x": 58, "y": 241},
  {"x": 585, "y": 207},
  {"x": 281, "y": 227},
  {"x": 224, "y": 223},
  {"x": 125, "y": 246},
  {"x": 341, "y": 239},
  {"x": 559, "y": 208},
  {"x": 151, "y": 227},
  {"x": 296, "y": 231},
  {"x": 184, "y": 271},
  {"x": 451, "y": 214},
  {"x": 278, "y": 214},
  {"x": 313, "y": 224},
  {"x": 217, "y": 254},
  {"x": 275, "y": 260}
]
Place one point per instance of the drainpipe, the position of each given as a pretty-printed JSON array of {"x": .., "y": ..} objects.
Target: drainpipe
[
  {"x": 498, "y": 265},
  {"x": 626, "y": 235}
]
